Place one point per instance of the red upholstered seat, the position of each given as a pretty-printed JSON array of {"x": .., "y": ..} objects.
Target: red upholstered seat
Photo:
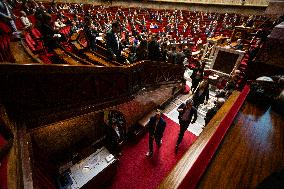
[
  {"x": 1, "y": 49},
  {"x": 4, "y": 27},
  {"x": 30, "y": 42},
  {"x": 19, "y": 24},
  {"x": 186, "y": 89},
  {"x": 36, "y": 34}
]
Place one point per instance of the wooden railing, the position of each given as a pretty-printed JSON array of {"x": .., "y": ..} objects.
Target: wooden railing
[
  {"x": 37, "y": 92},
  {"x": 223, "y": 2}
]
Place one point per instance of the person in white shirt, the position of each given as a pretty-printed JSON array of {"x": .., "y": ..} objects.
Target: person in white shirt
[
  {"x": 58, "y": 24},
  {"x": 25, "y": 20}
]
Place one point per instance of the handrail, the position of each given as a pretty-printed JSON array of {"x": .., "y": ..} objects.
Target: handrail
[{"x": 30, "y": 90}]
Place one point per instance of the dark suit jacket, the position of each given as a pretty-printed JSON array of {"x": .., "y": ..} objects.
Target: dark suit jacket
[
  {"x": 210, "y": 114},
  {"x": 180, "y": 58},
  {"x": 111, "y": 44},
  {"x": 193, "y": 113},
  {"x": 112, "y": 136},
  {"x": 154, "y": 50},
  {"x": 199, "y": 99},
  {"x": 90, "y": 33},
  {"x": 172, "y": 57},
  {"x": 160, "y": 127}
]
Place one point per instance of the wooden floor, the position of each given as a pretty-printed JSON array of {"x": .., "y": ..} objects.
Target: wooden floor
[{"x": 252, "y": 149}]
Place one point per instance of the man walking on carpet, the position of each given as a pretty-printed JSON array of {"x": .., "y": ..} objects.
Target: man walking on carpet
[
  {"x": 157, "y": 127},
  {"x": 186, "y": 112}
]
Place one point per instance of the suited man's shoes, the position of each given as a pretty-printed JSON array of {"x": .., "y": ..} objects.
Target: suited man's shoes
[
  {"x": 160, "y": 144},
  {"x": 176, "y": 149},
  {"x": 149, "y": 154}
]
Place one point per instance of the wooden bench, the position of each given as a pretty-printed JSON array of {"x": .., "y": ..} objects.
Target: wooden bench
[
  {"x": 66, "y": 58},
  {"x": 97, "y": 59}
]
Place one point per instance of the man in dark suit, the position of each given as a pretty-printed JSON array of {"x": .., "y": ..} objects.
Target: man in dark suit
[
  {"x": 172, "y": 55},
  {"x": 212, "y": 111},
  {"x": 91, "y": 34},
  {"x": 187, "y": 115},
  {"x": 157, "y": 127},
  {"x": 180, "y": 56},
  {"x": 113, "y": 44},
  {"x": 154, "y": 49},
  {"x": 115, "y": 136},
  {"x": 201, "y": 95}
]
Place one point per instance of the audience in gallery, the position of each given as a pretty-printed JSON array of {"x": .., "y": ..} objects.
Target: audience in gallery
[
  {"x": 184, "y": 27},
  {"x": 7, "y": 16},
  {"x": 174, "y": 36}
]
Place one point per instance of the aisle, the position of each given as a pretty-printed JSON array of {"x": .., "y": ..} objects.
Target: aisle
[{"x": 138, "y": 172}]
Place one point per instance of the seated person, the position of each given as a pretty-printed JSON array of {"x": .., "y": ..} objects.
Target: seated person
[
  {"x": 74, "y": 28},
  {"x": 25, "y": 20},
  {"x": 7, "y": 16},
  {"x": 239, "y": 45},
  {"x": 51, "y": 37},
  {"x": 156, "y": 26},
  {"x": 211, "y": 112},
  {"x": 199, "y": 43},
  {"x": 227, "y": 44},
  {"x": 58, "y": 24}
]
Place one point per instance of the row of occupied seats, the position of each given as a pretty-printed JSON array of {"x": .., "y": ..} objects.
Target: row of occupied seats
[
  {"x": 19, "y": 23},
  {"x": 5, "y": 38},
  {"x": 33, "y": 39},
  {"x": 5, "y": 51}
]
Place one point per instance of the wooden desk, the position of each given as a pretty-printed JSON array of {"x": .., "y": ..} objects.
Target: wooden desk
[
  {"x": 217, "y": 40},
  {"x": 93, "y": 171}
]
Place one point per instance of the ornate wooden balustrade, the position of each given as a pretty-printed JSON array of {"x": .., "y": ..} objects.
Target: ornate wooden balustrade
[{"x": 37, "y": 93}]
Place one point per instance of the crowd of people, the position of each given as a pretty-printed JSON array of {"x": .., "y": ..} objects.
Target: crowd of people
[{"x": 165, "y": 35}]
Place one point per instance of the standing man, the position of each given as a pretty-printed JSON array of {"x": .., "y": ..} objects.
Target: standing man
[
  {"x": 157, "y": 127},
  {"x": 91, "y": 34},
  {"x": 113, "y": 44},
  {"x": 201, "y": 94},
  {"x": 186, "y": 112}
]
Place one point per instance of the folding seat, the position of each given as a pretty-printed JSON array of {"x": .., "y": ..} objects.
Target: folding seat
[
  {"x": 1, "y": 49},
  {"x": 36, "y": 33},
  {"x": 4, "y": 27},
  {"x": 29, "y": 42},
  {"x": 19, "y": 24},
  {"x": 32, "y": 19},
  {"x": 5, "y": 47}
]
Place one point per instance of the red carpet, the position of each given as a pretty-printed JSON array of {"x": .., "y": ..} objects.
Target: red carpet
[
  {"x": 3, "y": 166},
  {"x": 138, "y": 172}
]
